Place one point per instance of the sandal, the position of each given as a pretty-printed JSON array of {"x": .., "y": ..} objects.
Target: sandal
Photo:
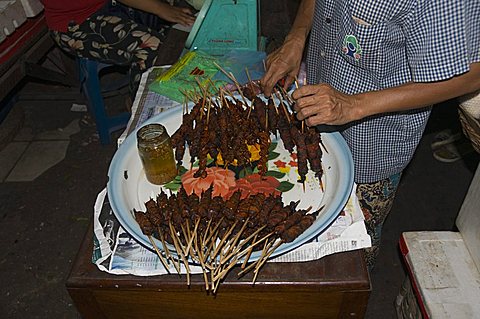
[
  {"x": 445, "y": 137},
  {"x": 452, "y": 152}
]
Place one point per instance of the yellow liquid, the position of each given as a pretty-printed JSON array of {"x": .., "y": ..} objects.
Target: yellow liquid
[{"x": 159, "y": 165}]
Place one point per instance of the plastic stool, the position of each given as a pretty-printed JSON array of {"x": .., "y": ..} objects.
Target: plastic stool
[{"x": 89, "y": 71}]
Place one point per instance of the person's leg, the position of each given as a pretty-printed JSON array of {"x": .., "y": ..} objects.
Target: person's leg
[
  {"x": 376, "y": 200},
  {"x": 114, "y": 40}
]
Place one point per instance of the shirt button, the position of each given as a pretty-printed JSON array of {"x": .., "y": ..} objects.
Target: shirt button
[
  {"x": 322, "y": 54},
  {"x": 328, "y": 20}
]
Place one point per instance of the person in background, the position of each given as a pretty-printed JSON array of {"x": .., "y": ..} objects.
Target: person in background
[
  {"x": 374, "y": 69},
  {"x": 123, "y": 32}
]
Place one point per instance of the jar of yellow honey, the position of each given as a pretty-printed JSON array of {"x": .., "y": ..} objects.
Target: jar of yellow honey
[{"x": 156, "y": 152}]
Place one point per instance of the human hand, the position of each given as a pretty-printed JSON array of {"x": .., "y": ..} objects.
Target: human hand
[
  {"x": 322, "y": 104},
  {"x": 282, "y": 63},
  {"x": 183, "y": 16}
]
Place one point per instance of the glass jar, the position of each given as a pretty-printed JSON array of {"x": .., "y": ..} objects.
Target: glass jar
[{"x": 156, "y": 152}]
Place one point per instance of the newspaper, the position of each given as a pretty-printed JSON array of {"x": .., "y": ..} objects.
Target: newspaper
[
  {"x": 147, "y": 103},
  {"x": 116, "y": 252}
]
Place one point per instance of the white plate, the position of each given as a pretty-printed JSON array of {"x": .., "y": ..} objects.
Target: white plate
[{"x": 129, "y": 189}]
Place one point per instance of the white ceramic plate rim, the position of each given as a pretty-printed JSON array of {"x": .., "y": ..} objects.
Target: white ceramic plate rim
[{"x": 119, "y": 171}]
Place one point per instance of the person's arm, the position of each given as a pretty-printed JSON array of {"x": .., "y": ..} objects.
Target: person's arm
[
  {"x": 162, "y": 9},
  {"x": 285, "y": 61},
  {"x": 321, "y": 104}
]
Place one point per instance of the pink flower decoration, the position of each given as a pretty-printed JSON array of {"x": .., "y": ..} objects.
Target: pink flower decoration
[
  {"x": 221, "y": 179},
  {"x": 255, "y": 183}
]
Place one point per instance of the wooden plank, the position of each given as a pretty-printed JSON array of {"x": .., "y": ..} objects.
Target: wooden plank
[{"x": 325, "y": 288}]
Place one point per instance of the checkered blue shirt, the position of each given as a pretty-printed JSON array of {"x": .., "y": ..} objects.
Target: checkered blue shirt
[{"x": 364, "y": 45}]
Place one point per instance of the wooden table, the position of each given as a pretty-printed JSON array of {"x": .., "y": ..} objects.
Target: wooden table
[{"x": 336, "y": 286}]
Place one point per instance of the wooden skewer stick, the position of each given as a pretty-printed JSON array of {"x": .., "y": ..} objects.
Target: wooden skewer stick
[
  {"x": 217, "y": 90},
  {"x": 233, "y": 79},
  {"x": 208, "y": 111},
  {"x": 303, "y": 122},
  {"x": 211, "y": 279},
  {"x": 296, "y": 82},
  {"x": 275, "y": 106},
  {"x": 201, "y": 86},
  {"x": 240, "y": 232},
  {"x": 249, "y": 80},
  {"x": 185, "y": 93},
  {"x": 239, "y": 253},
  {"x": 230, "y": 94},
  {"x": 322, "y": 186},
  {"x": 254, "y": 243},
  {"x": 323, "y": 145},
  {"x": 254, "y": 264},
  {"x": 224, "y": 72},
  {"x": 269, "y": 253},
  {"x": 212, "y": 238},
  {"x": 233, "y": 243},
  {"x": 178, "y": 246},
  {"x": 186, "y": 236},
  {"x": 222, "y": 241},
  {"x": 167, "y": 253},
  {"x": 247, "y": 269},
  {"x": 189, "y": 245},
  {"x": 162, "y": 259},
  {"x": 249, "y": 253},
  {"x": 266, "y": 119},
  {"x": 195, "y": 96},
  {"x": 202, "y": 108},
  {"x": 223, "y": 272},
  {"x": 287, "y": 114},
  {"x": 184, "y": 106},
  {"x": 201, "y": 258},
  {"x": 214, "y": 231},
  {"x": 239, "y": 88},
  {"x": 224, "y": 99},
  {"x": 249, "y": 111},
  {"x": 205, "y": 232},
  {"x": 259, "y": 266},
  {"x": 261, "y": 259},
  {"x": 288, "y": 97},
  {"x": 175, "y": 239}
]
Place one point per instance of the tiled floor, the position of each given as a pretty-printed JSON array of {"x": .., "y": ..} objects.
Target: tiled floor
[
  {"x": 50, "y": 175},
  {"x": 28, "y": 156}
]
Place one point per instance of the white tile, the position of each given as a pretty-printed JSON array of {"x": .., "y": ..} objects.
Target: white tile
[
  {"x": 9, "y": 156},
  {"x": 39, "y": 157}
]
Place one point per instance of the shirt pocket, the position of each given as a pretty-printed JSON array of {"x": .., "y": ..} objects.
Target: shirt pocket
[{"x": 362, "y": 45}]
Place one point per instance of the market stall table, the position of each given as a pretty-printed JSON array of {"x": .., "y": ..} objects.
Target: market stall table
[{"x": 336, "y": 286}]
